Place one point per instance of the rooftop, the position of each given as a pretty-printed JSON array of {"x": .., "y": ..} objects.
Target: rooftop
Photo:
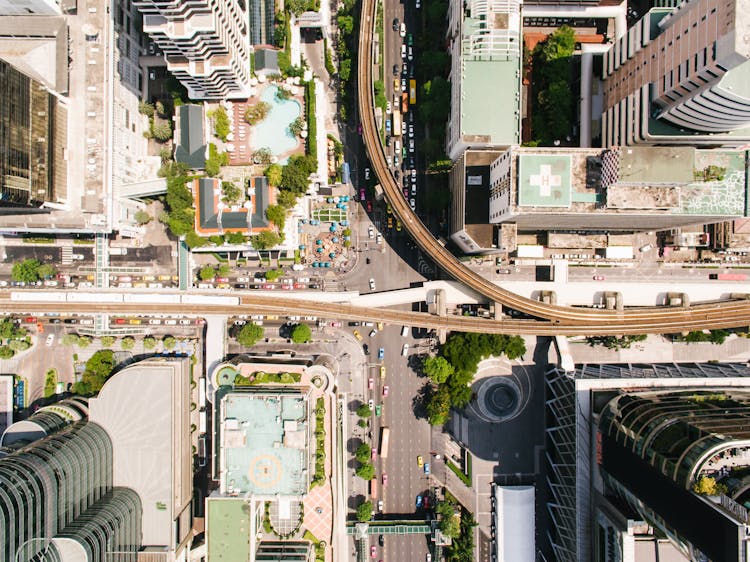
[
  {"x": 214, "y": 217},
  {"x": 191, "y": 145},
  {"x": 264, "y": 438},
  {"x": 228, "y": 530}
]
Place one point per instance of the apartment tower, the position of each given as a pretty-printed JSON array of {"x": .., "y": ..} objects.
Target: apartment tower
[{"x": 205, "y": 42}]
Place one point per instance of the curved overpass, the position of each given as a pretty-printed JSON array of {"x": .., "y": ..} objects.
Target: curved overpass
[
  {"x": 597, "y": 321},
  {"x": 726, "y": 315}
]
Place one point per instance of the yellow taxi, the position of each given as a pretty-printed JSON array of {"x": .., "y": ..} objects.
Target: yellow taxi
[
  {"x": 358, "y": 335},
  {"x": 420, "y": 461},
  {"x": 380, "y": 326},
  {"x": 382, "y": 371}
]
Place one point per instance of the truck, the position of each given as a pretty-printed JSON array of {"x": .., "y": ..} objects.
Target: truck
[{"x": 396, "y": 119}]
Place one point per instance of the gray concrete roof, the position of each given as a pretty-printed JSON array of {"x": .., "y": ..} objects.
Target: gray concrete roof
[{"x": 191, "y": 147}]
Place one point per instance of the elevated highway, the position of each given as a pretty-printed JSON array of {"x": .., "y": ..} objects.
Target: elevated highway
[
  {"x": 590, "y": 321},
  {"x": 719, "y": 315}
]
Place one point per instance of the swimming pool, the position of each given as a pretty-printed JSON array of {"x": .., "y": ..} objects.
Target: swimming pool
[{"x": 273, "y": 131}]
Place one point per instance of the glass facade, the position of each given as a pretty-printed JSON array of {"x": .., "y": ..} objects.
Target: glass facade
[
  {"x": 26, "y": 130},
  {"x": 61, "y": 486},
  {"x": 262, "y": 14}
]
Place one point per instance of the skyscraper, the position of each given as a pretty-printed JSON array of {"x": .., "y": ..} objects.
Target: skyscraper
[
  {"x": 205, "y": 42},
  {"x": 680, "y": 76}
]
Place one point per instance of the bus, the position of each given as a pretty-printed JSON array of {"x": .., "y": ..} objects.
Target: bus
[
  {"x": 345, "y": 174},
  {"x": 728, "y": 276},
  {"x": 385, "y": 434},
  {"x": 412, "y": 92},
  {"x": 396, "y": 132}
]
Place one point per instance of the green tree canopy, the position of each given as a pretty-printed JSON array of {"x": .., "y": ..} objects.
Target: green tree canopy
[
  {"x": 9, "y": 330},
  {"x": 149, "y": 343},
  {"x": 250, "y": 334},
  {"x": 363, "y": 453},
  {"x": 437, "y": 368},
  {"x": 286, "y": 199},
  {"x": 277, "y": 215},
  {"x": 364, "y": 511},
  {"x": 169, "y": 342},
  {"x": 206, "y": 273},
  {"x": 127, "y": 343},
  {"x": 254, "y": 114},
  {"x": 6, "y": 352},
  {"x": 221, "y": 123},
  {"x": 365, "y": 471},
  {"x": 98, "y": 368},
  {"x": 46, "y": 271},
  {"x": 142, "y": 217},
  {"x": 231, "y": 192},
  {"x": 363, "y": 411},
  {"x": 301, "y": 333},
  {"x": 26, "y": 271},
  {"x": 107, "y": 341},
  {"x": 295, "y": 174},
  {"x": 273, "y": 174},
  {"x": 265, "y": 239},
  {"x": 162, "y": 130},
  {"x": 438, "y": 406}
]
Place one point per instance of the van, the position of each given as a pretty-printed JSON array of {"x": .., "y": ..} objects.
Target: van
[{"x": 404, "y": 331}]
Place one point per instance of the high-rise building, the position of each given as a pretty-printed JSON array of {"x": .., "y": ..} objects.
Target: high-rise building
[
  {"x": 631, "y": 452},
  {"x": 29, "y": 153},
  {"x": 104, "y": 479},
  {"x": 485, "y": 45},
  {"x": 680, "y": 76},
  {"x": 205, "y": 42},
  {"x": 30, "y": 7}
]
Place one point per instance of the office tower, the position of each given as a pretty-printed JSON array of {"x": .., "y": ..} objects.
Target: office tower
[
  {"x": 627, "y": 444},
  {"x": 680, "y": 76},
  {"x": 57, "y": 500},
  {"x": 485, "y": 45},
  {"x": 205, "y": 42},
  {"x": 28, "y": 151},
  {"x": 30, "y": 7}
]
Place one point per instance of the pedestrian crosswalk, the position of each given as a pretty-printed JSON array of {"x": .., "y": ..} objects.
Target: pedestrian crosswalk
[{"x": 67, "y": 255}]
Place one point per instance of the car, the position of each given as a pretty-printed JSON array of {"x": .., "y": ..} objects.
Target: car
[
  {"x": 154, "y": 321},
  {"x": 390, "y": 222},
  {"x": 403, "y": 89},
  {"x": 370, "y": 232},
  {"x": 395, "y": 159},
  {"x": 420, "y": 461},
  {"x": 414, "y": 173},
  {"x": 50, "y": 339},
  {"x": 504, "y": 271},
  {"x": 598, "y": 277},
  {"x": 77, "y": 256},
  {"x": 380, "y": 326},
  {"x": 381, "y": 540},
  {"x": 50, "y": 283},
  {"x": 411, "y": 145},
  {"x": 378, "y": 410},
  {"x": 428, "y": 558},
  {"x": 646, "y": 248},
  {"x": 413, "y": 189},
  {"x": 405, "y": 350},
  {"x": 402, "y": 31},
  {"x": 385, "y": 391},
  {"x": 335, "y": 324},
  {"x": 413, "y": 203},
  {"x": 379, "y": 238},
  {"x": 366, "y": 349},
  {"x": 373, "y": 453},
  {"x": 170, "y": 322},
  {"x": 395, "y": 24},
  {"x": 411, "y": 129},
  {"x": 388, "y": 107},
  {"x": 417, "y": 5},
  {"x": 358, "y": 335},
  {"x": 120, "y": 321},
  {"x": 411, "y": 54},
  {"x": 243, "y": 280},
  {"x": 372, "y": 333},
  {"x": 372, "y": 284},
  {"x": 269, "y": 287},
  {"x": 403, "y": 129},
  {"x": 373, "y": 551},
  {"x": 403, "y": 52},
  {"x": 380, "y": 506},
  {"x": 240, "y": 322},
  {"x": 367, "y": 173},
  {"x": 385, "y": 479},
  {"x": 371, "y": 404},
  {"x": 369, "y": 206},
  {"x": 184, "y": 322},
  {"x": 200, "y": 322},
  {"x": 133, "y": 321},
  {"x": 370, "y": 383},
  {"x": 381, "y": 353},
  {"x": 382, "y": 372},
  {"x": 426, "y": 468},
  {"x": 419, "y": 501},
  {"x": 396, "y": 70},
  {"x": 389, "y": 159}
]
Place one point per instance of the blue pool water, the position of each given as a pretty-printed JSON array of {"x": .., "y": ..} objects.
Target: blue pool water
[{"x": 273, "y": 131}]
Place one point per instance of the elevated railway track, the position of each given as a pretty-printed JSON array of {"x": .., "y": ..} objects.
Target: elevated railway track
[{"x": 731, "y": 313}]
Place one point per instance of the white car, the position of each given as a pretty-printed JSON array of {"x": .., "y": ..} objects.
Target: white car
[
  {"x": 403, "y": 52},
  {"x": 412, "y": 203},
  {"x": 154, "y": 321},
  {"x": 403, "y": 87},
  {"x": 403, "y": 30},
  {"x": 413, "y": 173},
  {"x": 405, "y": 349},
  {"x": 372, "y": 333},
  {"x": 370, "y": 404},
  {"x": 403, "y": 128},
  {"x": 379, "y": 238},
  {"x": 411, "y": 145},
  {"x": 367, "y": 173},
  {"x": 411, "y": 54},
  {"x": 411, "y": 129},
  {"x": 372, "y": 284},
  {"x": 370, "y": 232},
  {"x": 243, "y": 280},
  {"x": 50, "y": 339}
]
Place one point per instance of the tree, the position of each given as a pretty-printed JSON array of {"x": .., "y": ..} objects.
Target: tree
[
  {"x": 214, "y": 161},
  {"x": 149, "y": 343},
  {"x": 345, "y": 24},
  {"x": 254, "y": 114},
  {"x": 206, "y": 273},
  {"x": 437, "y": 368},
  {"x": 221, "y": 123},
  {"x": 438, "y": 406},
  {"x": 142, "y": 217},
  {"x": 194, "y": 240},
  {"x": 450, "y": 522},
  {"x": 145, "y": 108},
  {"x": 83, "y": 342},
  {"x": 46, "y": 271},
  {"x": 262, "y": 156},
  {"x": 295, "y": 174},
  {"x": 231, "y": 192},
  {"x": 273, "y": 174},
  {"x": 515, "y": 347},
  {"x": 286, "y": 199},
  {"x": 297, "y": 126},
  {"x": 223, "y": 270},
  {"x": 19, "y": 345},
  {"x": 9, "y": 330},
  {"x": 69, "y": 339},
  {"x": 98, "y": 368},
  {"x": 169, "y": 342},
  {"x": 273, "y": 274},
  {"x": 127, "y": 343},
  {"x": 364, "y": 511},
  {"x": 265, "y": 239},
  {"x": 708, "y": 486},
  {"x": 363, "y": 453},
  {"x": 250, "y": 334},
  {"x": 301, "y": 333},
  {"x": 365, "y": 471},
  {"x": 6, "y": 352},
  {"x": 26, "y": 271},
  {"x": 162, "y": 130},
  {"x": 363, "y": 411},
  {"x": 277, "y": 215},
  {"x": 718, "y": 337},
  {"x": 107, "y": 341}
]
